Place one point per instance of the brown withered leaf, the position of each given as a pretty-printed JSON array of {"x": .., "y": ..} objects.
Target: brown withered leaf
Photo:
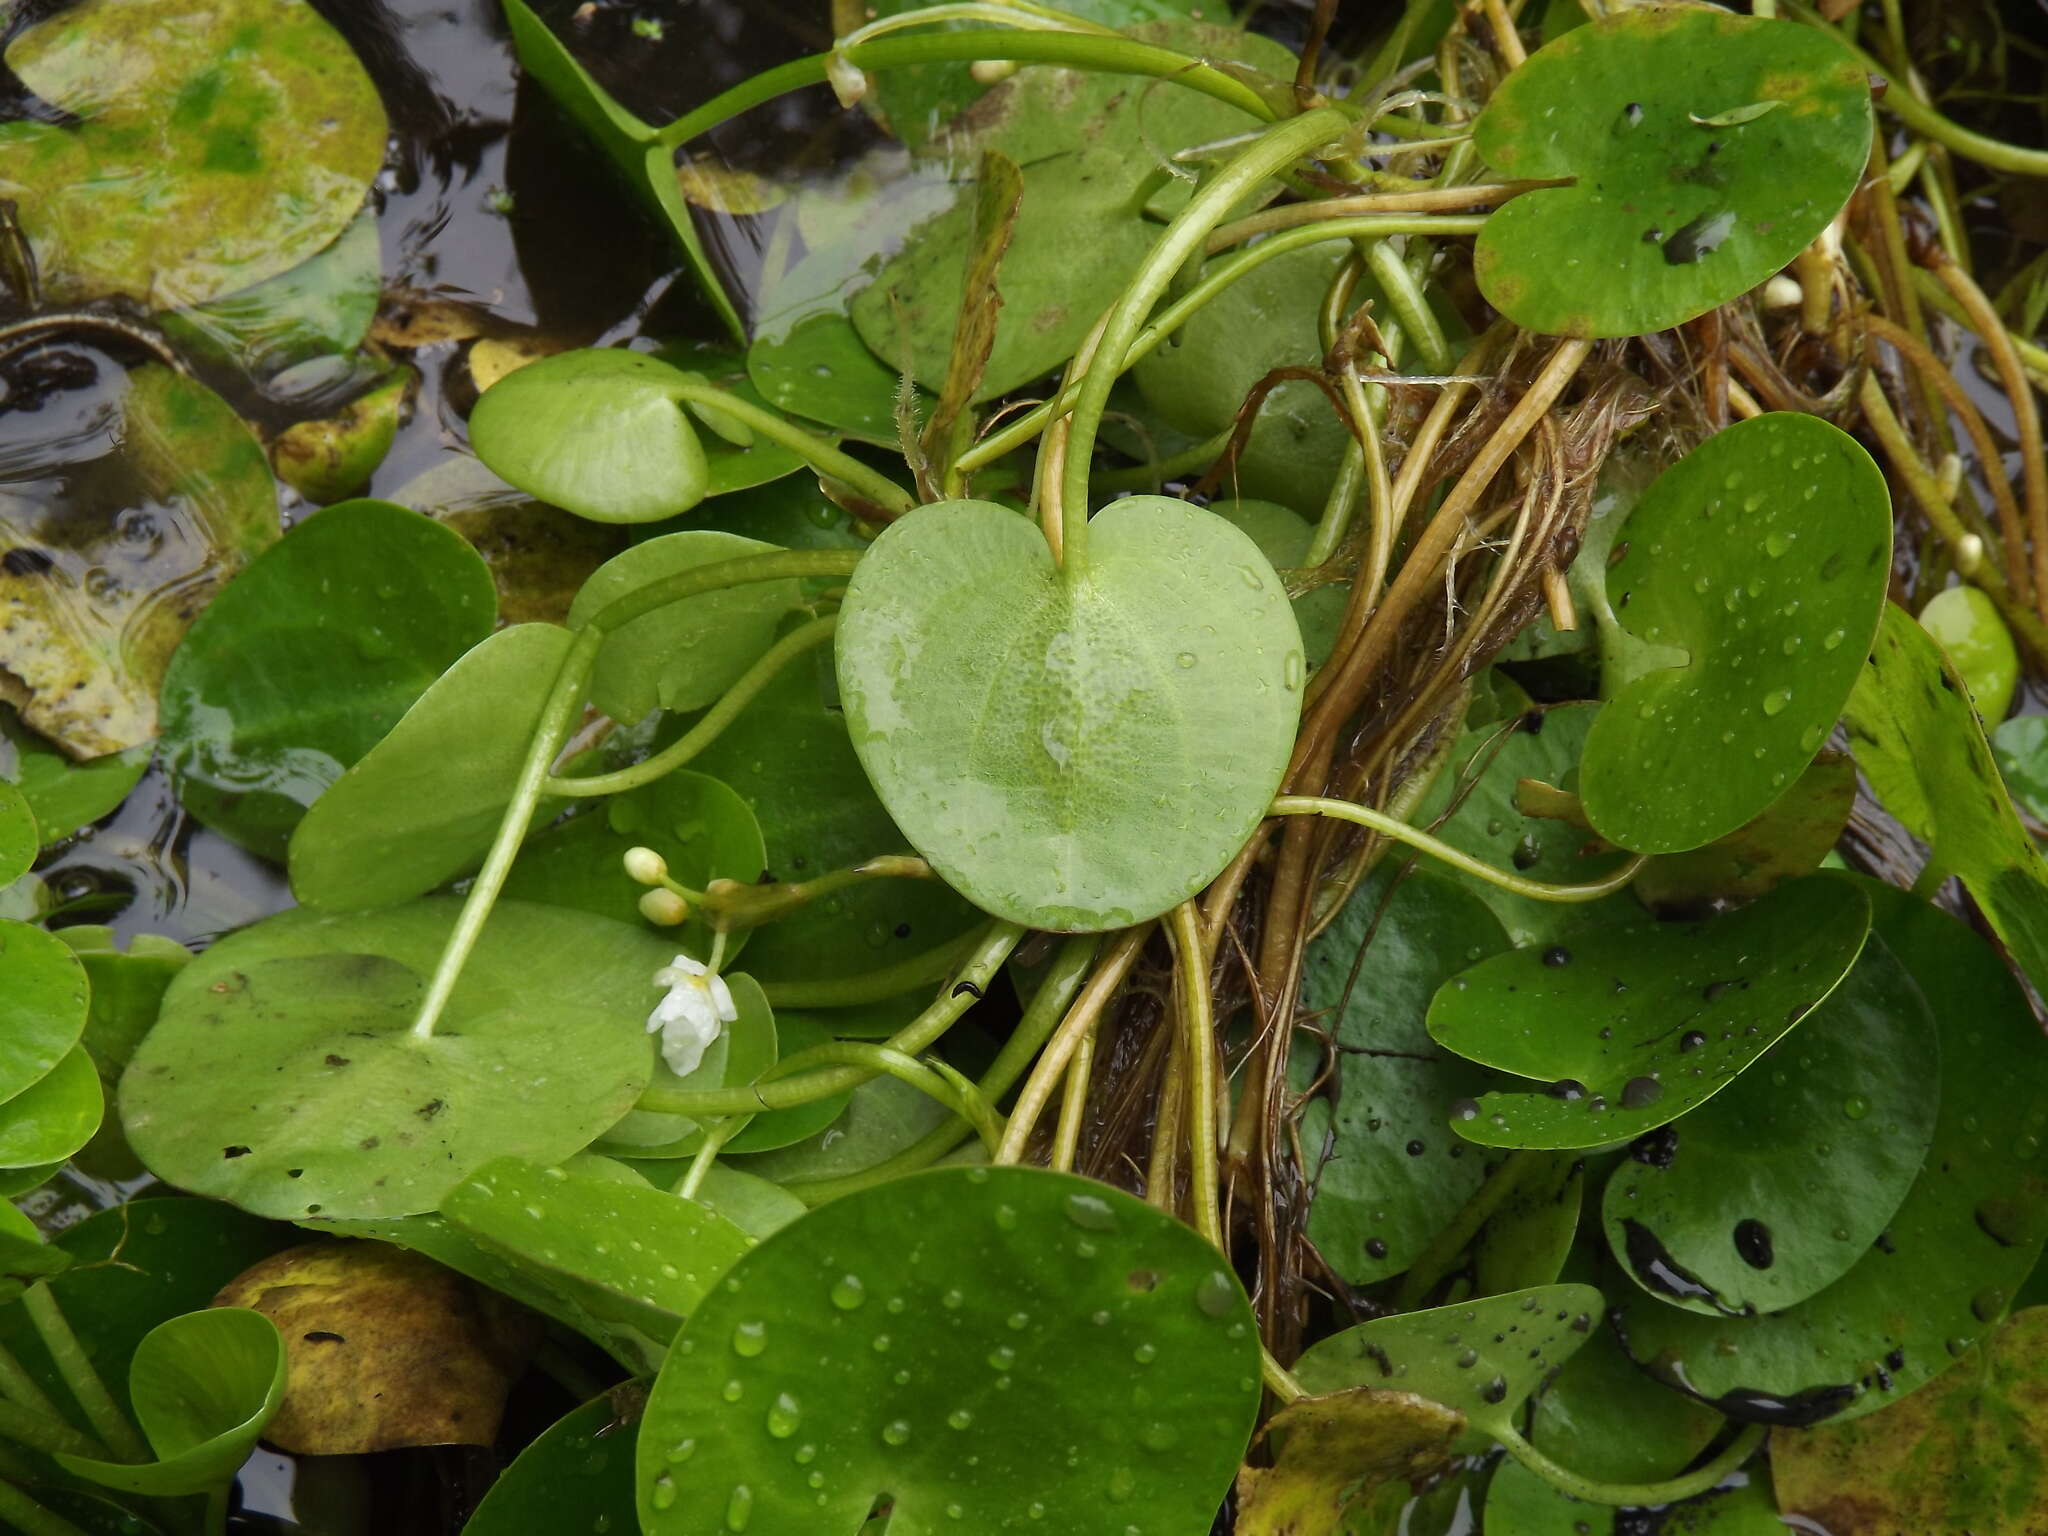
[
  {"x": 1333, "y": 1452},
  {"x": 386, "y": 1349}
]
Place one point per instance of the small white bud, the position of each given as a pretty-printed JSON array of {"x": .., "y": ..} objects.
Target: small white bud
[
  {"x": 1782, "y": 292},
  {"x": 1969, "y": 555},
  {"x": 845, "y": 78},
  {"x": 992, "y": 71},
  {"x": 664, "y": 909},
  {"x": 645, "y": 866}
]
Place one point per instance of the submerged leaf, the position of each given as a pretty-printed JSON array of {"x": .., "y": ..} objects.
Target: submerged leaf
[
  {"x": 238, "y": 139},
  {"x": 98, "y": 589},
  {"x": 1046, "y": 737},
  {"x": 1677, "y": 202},
  {"x": 386, "y": 1349},
  {"x": 952, "y": 1307}
]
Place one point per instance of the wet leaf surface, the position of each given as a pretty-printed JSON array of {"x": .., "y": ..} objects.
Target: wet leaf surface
[
  {"x": 310, "y": 657},
  {"x": 1968, "y": 1454},
  {"x": 386, "y": 1349},
  {"x": 62, "y": 795},
  {"x": 987, "y": 1285},
  {"x": 54, "y": 1116},
  {"x": 1776, "y": 1187},
  {"x": 1919, "y": 742},
  {"x": 822, "y": 369},
  {"x": 284, "y": 1077},
  {"x": 1630, "y": 1027},
  {"x": 1042, "y": 738},
  {"x": 1955, "y": 1251},
  {"x": 1667, "y": 216},
  {"x": 102, "y": 579},
  {"x": 1975, "y": 638},
  {"x": 241, "y": 136},
  {"x": 1685, "y": 754},
  {"x": 1336, "y": 1450},
  {"x": 1790, "y": 838},
  {"x": 424, "y": 803},
  {"x": 332, "y": 458},
  {"x": 882, "y": 1118},
  {"x": 1482, "y": 1358},
  {"x": 1392, "y": 1174},
  {"x": 1283, "y": 538},
  {"x": 576, "y": 1474}
]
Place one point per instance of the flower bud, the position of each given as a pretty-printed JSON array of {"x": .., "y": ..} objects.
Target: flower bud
[
  {"x": 646, "y": 866},
  {"x": 664, "y": 909}
]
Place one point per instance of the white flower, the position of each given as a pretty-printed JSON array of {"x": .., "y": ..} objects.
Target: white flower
[{"x": 698, "y": 1007}]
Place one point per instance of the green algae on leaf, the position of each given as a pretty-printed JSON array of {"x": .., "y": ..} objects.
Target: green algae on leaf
[
  {"x": 952, "y": 1307},
  {"x": 240, "y": 137},
  {"x": 1673, "y": 207},
  {"x": 1686, "y": 753},
  {"x": 1627, "y": 1028},
  {"x": 1044, "y": 737}
]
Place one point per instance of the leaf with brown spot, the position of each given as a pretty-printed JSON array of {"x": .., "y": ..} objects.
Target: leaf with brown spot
[
  {"x": 1334, "y": 1452},
  {"x": 386, "y": 1349}
]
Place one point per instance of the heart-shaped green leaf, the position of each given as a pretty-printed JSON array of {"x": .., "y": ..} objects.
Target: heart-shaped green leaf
[
  {"x": 203, "y": 1385},
  {"x": 1482, "y": 1358},
  {"x": 426, "y": 801},
  {"x": 1776, "y": 1187},
  {"x": 1283, "y": 538},
  {"x": 127, "y": 988},
  {"x": 883, "y": 1117},
  {"x": 744, "y": 459},
  {"x": 949, "y": 1310},
  {"x": 682, "y": 656},
  {"x": 1954, "y": 1252},
  {"x": 63, "y": 795},
  {"x": 1679, "y": 200},
  {"x": 310, "y": 657},
  {"x": 1476, "y": 794},
  {"x": 1684, "y": 754},
  {"x": 284, "y": 1076},
  {"x": 43, "y": 1005},
  {"x": 1071, "y": 750},
  {"x": 54, "y": 1116},
  {"x": 1966, "y": 1455},
  {"x": 242, "y": 137},
  {"x": 577, "y": 1474},
  {"x": 789, "y": 757},
  {"x": 600, "y": 433},
  {"x": 1632, "y": 1026},
  {"x": 628, "y": 1254},
  {"x": 1393, "y": 1175},
  {"x": 646, "y": 165},
  {"x": 1922, "y": 747},
  {"x": 820, "y": 368}
]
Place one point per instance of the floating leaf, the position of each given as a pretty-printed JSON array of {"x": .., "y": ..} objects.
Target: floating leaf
[
  {"x": 54, "y": 1116},
  {"x": 600, "y": 433},
  {"x": 1393, "y": 1175},
  {"x": 333, "y": 457},
  {"x": 1486, "y": 764},
  {"x": 308, "y": 660},
  {"x": 386, "y": 1349},
  {"x": 1667, "y": 215},
  {"x": 646, "y": 165},
  {"x": 1334, "y": 1451},
  {"x": 884, "y": 1117},
  {"x": 1631, "y": 1027},
  {"x": 988, "y": 1284},
  {"x": 1526, "y": 1240},
  {"x": 1685, "y": 754},
  {"x": 754, "y": 1205},
  {"x": 789, "y": 757},
  {"x": 1777, "y": 1186},
  {"x": 426, "y": 801},
  {"x": 1790, "y": 838},
  {"x": 742, "y": 460},
  {"x": 1954, "y": 1252},
  {"x": 127, "y": 989},
  {"x": 685, "y": 655},
  {"x": 1968, "y": 1454},
  {"x": 632, "y": 1256},
  {"x": 64, "y": 796},
  {"x": 775, "y": 1128},
  {"x": 1283, "y": 538},
  {"x": 18, "y": 838},
  {"x": 1046, "y": 738},
  {"x": 284, "y": 1075},
  {"x": 822, "y": 369},
  {"x": 241, "y": 140},
  {"x": 98, "y": 587},
  {"x": 203, "y": 1386},
  {"x": 1482, "y": 1359},
  {"x": 1519, "y": 1503},
  {"x": 577, "y": 1474},
  {"x": 1920, "y": 744}
]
